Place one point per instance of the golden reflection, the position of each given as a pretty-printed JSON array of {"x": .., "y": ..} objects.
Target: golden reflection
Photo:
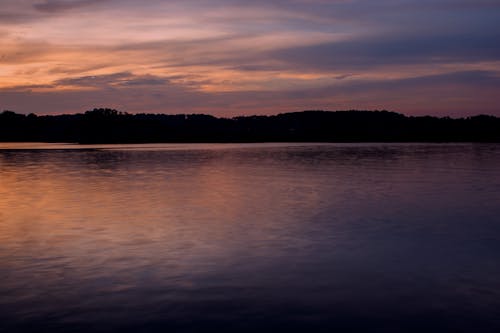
[{"x": 104, "y": 205}]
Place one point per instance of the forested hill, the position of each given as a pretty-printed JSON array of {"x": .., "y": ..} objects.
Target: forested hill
[{"x": 111, "y": 126}]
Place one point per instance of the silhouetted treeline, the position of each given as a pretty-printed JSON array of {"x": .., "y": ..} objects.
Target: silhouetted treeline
[{"x": 111, "y": 126}]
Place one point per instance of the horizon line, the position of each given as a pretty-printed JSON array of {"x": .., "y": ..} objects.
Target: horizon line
[{"x": 246, "y": 115}]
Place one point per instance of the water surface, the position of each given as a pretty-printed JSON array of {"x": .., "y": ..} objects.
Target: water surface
[{"x": 229, "y": 237}]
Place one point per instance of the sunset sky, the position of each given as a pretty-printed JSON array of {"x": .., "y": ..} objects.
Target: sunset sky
[{"x": 235, "y": 57}]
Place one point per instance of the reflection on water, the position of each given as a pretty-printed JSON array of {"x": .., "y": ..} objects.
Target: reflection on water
[{"x": 372, "y": 237}]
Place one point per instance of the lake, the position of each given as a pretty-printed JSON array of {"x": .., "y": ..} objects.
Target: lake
[{"x": 250, "y": 237}]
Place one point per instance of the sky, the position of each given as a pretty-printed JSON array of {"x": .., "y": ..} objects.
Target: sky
[{"x": 237, "y": 57}]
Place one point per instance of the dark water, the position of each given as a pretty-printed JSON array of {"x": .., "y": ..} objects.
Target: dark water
[{"x": 342, "y": 237}]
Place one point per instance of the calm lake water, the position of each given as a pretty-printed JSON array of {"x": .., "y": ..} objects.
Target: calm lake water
[{"x": 255, "y": 237}]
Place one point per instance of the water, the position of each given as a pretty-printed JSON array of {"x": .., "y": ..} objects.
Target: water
[{"x": 268, "y": 237}]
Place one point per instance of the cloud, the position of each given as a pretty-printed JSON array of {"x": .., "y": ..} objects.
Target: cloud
[
  {"x": 96, "y": 81},
  {"x": 375, "y": 51},
  {"x": 27, "y": 88},
  {"x": 476, "y": 78},
  {"x": 115, "y": 80},
  {"x": 22, "y": 52},
  {"x": 12, "y": 18},
  {"x": 459, "y": 4},
  {"x": 54, "y": 6},
  {"x": 144, "y": 80}
]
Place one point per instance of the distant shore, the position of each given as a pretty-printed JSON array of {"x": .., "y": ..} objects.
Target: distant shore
[{"x": 111, "y": 126}]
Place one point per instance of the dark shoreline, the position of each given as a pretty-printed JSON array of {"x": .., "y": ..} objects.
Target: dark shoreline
[{"x": 103, "y": 126}]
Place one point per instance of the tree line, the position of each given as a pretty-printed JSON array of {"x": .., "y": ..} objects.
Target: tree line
[{"x": 111, "y": 126}]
